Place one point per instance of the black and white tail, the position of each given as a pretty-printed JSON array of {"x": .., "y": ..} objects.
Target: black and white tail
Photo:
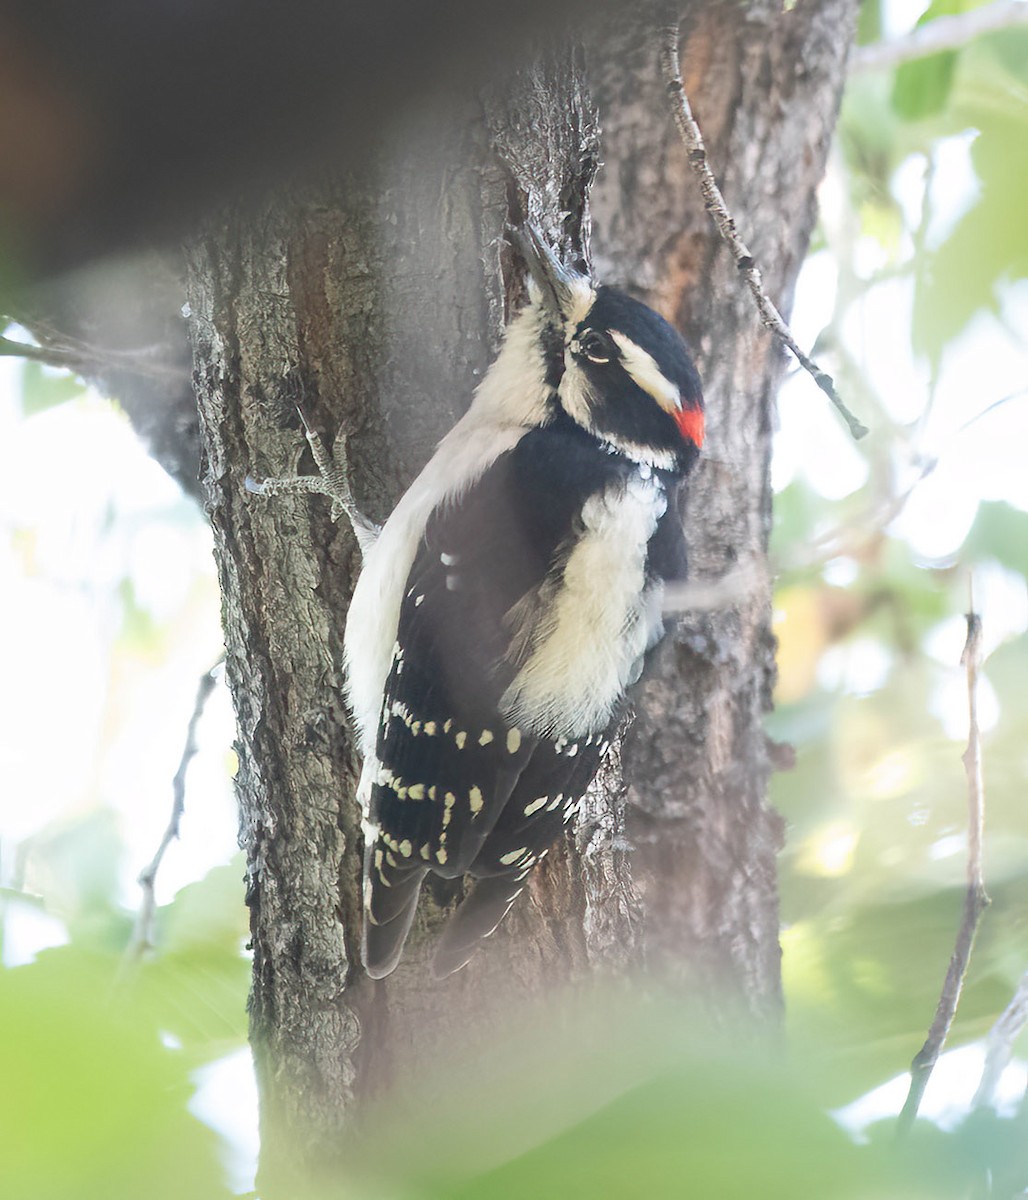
[{"x": 480, "y": 912}]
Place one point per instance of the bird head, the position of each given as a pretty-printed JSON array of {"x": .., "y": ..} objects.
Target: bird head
[{"x": 619, "y": 370}]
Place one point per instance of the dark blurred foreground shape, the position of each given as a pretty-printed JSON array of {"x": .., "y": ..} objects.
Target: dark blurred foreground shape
[{"x": 121, "y": 121}]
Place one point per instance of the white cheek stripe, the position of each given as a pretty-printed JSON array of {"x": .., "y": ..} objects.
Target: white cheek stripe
[
  {"x": 576, "y": 395},
  {"x": 642, "y": 367}
]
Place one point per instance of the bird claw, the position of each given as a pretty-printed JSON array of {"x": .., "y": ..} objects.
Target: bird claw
[{"x": 331, "y": 481}]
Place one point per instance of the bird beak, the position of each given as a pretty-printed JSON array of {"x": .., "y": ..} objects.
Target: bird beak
[{"x": 562, "y": 289}]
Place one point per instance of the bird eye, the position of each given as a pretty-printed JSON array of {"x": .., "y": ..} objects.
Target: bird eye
[{"x": 595, "y": 346}]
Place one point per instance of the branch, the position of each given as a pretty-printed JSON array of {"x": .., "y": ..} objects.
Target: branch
[
  {"x": 976, "y": 899},
  {"x": 999, "y": 1046},
  {"x": 735, "y": 587},
  {"x": 944, "y": 33},
  {"x": 84, "y": 360},
  {"x": 142, "y": 933},
  {"x": 51, "y": 357},
  {"x": 770, "y": 317}
]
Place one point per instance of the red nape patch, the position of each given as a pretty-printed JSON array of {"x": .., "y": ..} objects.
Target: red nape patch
[{"x": 690, "y": 422}]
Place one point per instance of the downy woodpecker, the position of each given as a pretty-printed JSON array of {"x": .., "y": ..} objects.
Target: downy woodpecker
[{"x": 510, "y": 600}]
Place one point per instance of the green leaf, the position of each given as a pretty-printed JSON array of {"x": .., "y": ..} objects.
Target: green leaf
[
  {"x": 198, "y": 998},
  {"x": 869, "y": 132},
  {"x": 731, "y": 1133},
  {"x": 922, "y": 87},
  {"x": 869, "y": 23},
  {"x": 210, "y": 913},
  {"x": 196, "y": 985},
  {"x": 139, "y": 630},
  {"x": 999, "y": 532},
  {"x": 987, "y": 248},
  {"x": 666, "y": 1116},
  {"x": 43, "y": 388},
  {"x": 76, "y": 863},
  {"x": 1010, "y": 49},
  {"x": 93, "y": 1107}
]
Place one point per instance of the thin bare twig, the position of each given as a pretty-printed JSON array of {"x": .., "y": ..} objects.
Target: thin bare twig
[
  {"x": 989, "y": 408},
  {"x": 770, "y": 317},
  {"x": 999, "y": 1046},
  {"x": 735, "y": 587},
  {"x": 142, "y": 932},
  {"x": 944, "y": 33},
  {"x": 976, "y": 899}
]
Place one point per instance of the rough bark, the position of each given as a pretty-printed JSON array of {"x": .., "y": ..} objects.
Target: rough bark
[{"x": 378, "y": 301}]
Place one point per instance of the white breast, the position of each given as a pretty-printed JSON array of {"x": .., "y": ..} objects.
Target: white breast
[{"x": 597, "y": 620}]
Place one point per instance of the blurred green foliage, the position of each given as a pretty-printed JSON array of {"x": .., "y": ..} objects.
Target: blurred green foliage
[
  {"x": 93, "y": 1105},
  {"x": 100, "y": 1056},
  {"x": 98, "y": 1053},
  {"x": 871, "y": 686},
  {"x": 982, "y": 90}
]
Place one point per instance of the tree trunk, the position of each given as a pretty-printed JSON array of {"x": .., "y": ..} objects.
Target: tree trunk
[{"x": 379, "y": 302}]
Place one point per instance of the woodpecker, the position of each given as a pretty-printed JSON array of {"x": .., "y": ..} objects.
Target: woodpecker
[{"x": 511, "y": 598}]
